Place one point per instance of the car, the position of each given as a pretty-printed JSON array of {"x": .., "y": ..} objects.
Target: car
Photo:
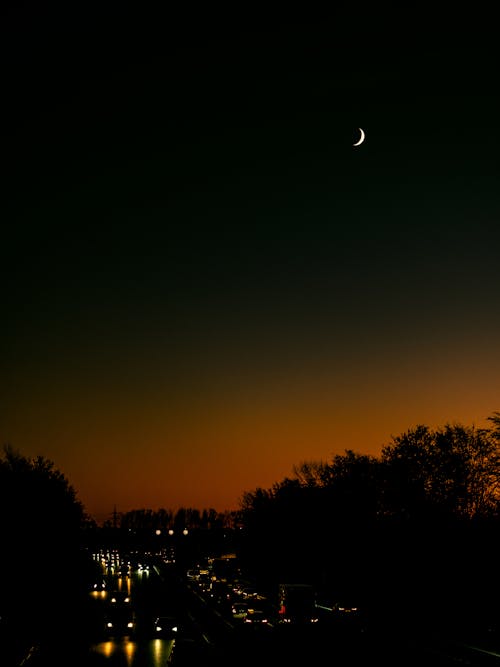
[
  {"x": 119, "y": 623},
  {"x": 239, "y": 610},
  {"x": 99, "y": 585},
  {"x": 249, "y": 592},
  {"x": 256, "y": 617},
  {"x": 119, "y": 598},
  {"x": 166, "y": 626},
  {"x": 349, "y": 616},
  {"x": 347, "y": 609}
]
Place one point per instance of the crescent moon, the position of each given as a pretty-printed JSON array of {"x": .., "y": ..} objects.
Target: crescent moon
[{"x": 361, "y": 138}]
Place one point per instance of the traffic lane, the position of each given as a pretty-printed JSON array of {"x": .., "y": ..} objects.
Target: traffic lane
[
  {"x": 111, "y": 653},
  {"x": 299, "y": 647},
  {"x": 92, "y": 643},
  {"x": 344, "y": 639},
  {"x": 338, "y": 642}
]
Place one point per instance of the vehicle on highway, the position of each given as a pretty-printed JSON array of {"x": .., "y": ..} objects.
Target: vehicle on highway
[
  {"x": 342, "y": 608},
  {"x": 256, "y": 617},
  {"x": 99, "y": 585},
  {"x": 119, "y": 623},
  {"x": 119, "y": 598},
  {"x": 239, "y": 610},
  {"x": 348, "y": 616},
  {"x": 249, "y": 593},
  {"x": 166, "y": 626},
  {"x": 297, "y": 603}
]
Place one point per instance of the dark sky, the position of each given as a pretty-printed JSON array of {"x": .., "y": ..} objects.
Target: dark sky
[{"x": 203, "y": 281}]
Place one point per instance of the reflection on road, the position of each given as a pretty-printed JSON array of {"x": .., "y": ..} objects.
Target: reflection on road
[{"x": 154, "y": 653}]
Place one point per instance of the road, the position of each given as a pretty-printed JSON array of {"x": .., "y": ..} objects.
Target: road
[{"x": 208, "y": 635}]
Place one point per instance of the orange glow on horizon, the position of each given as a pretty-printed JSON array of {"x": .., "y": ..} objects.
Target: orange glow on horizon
[{"x": 208, "y": 453}]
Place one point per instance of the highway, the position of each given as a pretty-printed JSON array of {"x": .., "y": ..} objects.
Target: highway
[{"x": 123, "y": 633}]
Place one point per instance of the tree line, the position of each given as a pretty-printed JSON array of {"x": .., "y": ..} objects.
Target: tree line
[
  {"x": 415, "y": 528},
  {"x": 42, "y": 560},
  {"x": 148, "y": 521}
]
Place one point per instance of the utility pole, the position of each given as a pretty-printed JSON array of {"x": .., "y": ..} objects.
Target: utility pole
[{"x": 114, "y": 532}]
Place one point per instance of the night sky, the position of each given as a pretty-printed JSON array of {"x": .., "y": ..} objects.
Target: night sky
[{"x": 203, "y": 282}]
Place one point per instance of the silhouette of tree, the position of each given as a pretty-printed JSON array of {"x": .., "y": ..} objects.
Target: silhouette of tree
[
  {"x": 424, "y": 516},
  {"x": 452, "y": 471},
  {"x": 312, "y": 473},
  {"x": 41, "y": 523},
  {"x": 441, "y": 498},
  {"x": 495, "y": 430}
]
